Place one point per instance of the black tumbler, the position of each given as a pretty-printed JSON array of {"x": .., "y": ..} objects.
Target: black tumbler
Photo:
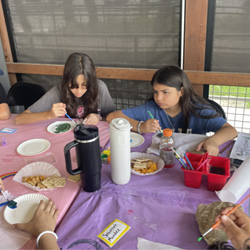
[{"x": 88, "y": 156}]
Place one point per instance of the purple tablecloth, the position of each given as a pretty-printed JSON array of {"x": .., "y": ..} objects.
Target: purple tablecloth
[{"x": 158, "y": 208}]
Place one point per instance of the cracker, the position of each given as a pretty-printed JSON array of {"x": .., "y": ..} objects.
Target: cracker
[
  {"x": 59, "y": 181},
  {"x": 74, "y": 178},
  {"x": 48, "y": 183}
]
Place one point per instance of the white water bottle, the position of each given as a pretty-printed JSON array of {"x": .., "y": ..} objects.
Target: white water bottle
[{"x": 120, "y": 151}]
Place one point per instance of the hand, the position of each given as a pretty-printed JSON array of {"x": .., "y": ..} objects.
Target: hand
[
  {"x": 236, "y": 226},
  {"x": 43, "y": 220},
  {"x": 1, "y": 185},
  {"x": 150, "y": 126},
  {"x": 92, "y": 119},
  {"x": 58, "y": 109},
  {"x": 210, "y": 145}
]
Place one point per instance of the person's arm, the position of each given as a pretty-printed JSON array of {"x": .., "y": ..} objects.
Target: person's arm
[
  {"x": 236, "y": 226},
  {"x": 212, "y": 143},
  {"x": 58, "y": 109},
  {"x": 4, "y": 111},
  {"x": 43, "y": 220},
  {"x": 149, "y": 126}
]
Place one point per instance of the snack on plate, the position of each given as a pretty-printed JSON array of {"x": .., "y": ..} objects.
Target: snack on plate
[
  {"x": 143, "y": 165},
  {"x": 45, "y": 182},
  {"x": 74, "y": 178}
]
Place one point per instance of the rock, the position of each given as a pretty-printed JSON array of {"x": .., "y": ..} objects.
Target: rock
[{"x": 205, "y": 216}]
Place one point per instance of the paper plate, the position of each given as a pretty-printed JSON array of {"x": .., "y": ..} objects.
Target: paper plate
[
  {"x": 155, "y": 158},
  {"x": 136, "y": 140},
  {"x": 33, "y": 147},
  {"x": 26, "y": 208},
  {"x": 52, "y": 127}
]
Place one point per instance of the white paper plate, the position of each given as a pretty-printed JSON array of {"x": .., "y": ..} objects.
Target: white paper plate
[
  {"x": 155, "y": 158},
  {"x": 33, "y": 147},
  {"x": 136, "y": 140},
  {"x": 52, "y": 127},
  {"x": 35, "y": 169},
  {"x": 26, "y": 208}
]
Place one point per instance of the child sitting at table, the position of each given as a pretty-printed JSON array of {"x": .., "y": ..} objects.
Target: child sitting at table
[
  {"x": 4, "y": 108},
  {"x": 175, "y": 105},
  {"x": 80, "y": 95}
]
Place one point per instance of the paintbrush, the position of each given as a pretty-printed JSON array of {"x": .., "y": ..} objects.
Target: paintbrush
[
  {"x": 188, "y": 161},
  {"x": 202, "y": 164},
  {"x": 160, "y": 131},
  {"x": 180, "y": 159},
  {"x": 70, "y": 117},
  {"x": 218, "y": 222}
]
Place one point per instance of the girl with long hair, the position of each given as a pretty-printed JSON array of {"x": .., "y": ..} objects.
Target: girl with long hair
[
  {"x": 80, "y": 95},
  {"x": 175, "y": 105}
]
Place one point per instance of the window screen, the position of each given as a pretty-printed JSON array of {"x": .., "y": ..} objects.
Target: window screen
[
  {"x": 114, "y": 33},
  {"x": 231, "y": 53}
]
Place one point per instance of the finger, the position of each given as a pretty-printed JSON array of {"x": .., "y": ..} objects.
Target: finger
[
  {"x": 56, "y": 213},
  {"x": 229, "y": 226},
  {"x": 226, "y": 210},
  {"x": 41, "y": 205},
  {"x": 199, "y": 147},
  {"x": 49, "y": 206}
]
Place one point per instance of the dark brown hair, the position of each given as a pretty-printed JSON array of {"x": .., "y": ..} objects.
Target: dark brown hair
[
  {"x": 76, "y": 64},
  {"x": 173, "y": 76}
]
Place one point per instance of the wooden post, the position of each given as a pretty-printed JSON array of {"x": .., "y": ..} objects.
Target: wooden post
[{"x": 195, "y": 37}]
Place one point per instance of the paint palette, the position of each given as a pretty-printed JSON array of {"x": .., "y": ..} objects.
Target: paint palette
[
  {"x": 60, "y": 127},
  {"x": 136, "y": 140}
]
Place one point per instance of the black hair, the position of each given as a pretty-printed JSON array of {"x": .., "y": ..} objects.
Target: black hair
[{"x": 173, "y": 76}]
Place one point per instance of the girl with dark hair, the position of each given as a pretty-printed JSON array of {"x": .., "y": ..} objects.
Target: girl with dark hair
[
  {"x": 175, "y": 105},
  {"x": 80, "y": 95}
]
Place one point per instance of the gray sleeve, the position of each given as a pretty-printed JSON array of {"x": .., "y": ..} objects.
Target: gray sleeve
[
  {"x": 46, "y": 101},
  {"x": 105, "y": 101}
]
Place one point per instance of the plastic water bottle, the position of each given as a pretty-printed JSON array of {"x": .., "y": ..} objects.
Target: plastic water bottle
[{"x": 166, "y": 148}]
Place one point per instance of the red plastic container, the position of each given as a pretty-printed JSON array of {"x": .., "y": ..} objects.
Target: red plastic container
[{"x": 217, "y": 170}]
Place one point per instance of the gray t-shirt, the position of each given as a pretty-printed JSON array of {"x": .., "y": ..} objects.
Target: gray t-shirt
[{"x": 105, "y": 102}]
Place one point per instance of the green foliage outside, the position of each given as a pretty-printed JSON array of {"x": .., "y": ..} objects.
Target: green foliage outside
[{"x": 232, "y": 91}]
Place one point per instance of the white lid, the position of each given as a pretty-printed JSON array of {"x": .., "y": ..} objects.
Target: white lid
[{"x": 120, "y": 123}]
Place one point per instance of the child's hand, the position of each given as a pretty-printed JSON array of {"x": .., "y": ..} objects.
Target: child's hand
[
  {"x": 236, "y": 226},
  {"x": 58, "y": 109},
  {"x": 150, "y": 126},
  {"x": 92, "y": 119},
  {"x": 210, "y": 145},
  {"x": 43, "y": 220}
]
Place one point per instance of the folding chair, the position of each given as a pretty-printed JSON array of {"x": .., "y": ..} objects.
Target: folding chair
[{"x": 23, "y": 94}]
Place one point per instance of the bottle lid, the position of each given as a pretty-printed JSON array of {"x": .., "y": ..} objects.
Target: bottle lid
[
  {"x": 120, "y": 124},
  {"x": 167, "y": 132}
]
